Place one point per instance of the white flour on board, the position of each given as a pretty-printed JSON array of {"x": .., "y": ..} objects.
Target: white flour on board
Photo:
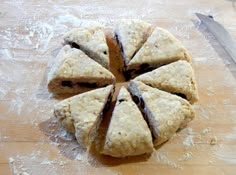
[
  {"x": 227, "y": 153},
  {"x": 186, "y": 156},
  {"x": 37, "y": 37},
  {"x": 37, "y": 34},
  {"x": 39, "y": 161},
  {"x": 188, "y": 141},
  {"x": 3, "y": 93},
  {"x": 36, "y": 164},
  {"x": 203, "y": 113},
  {"x": 206, "y": 131},
  {"x": 16, "y": 105},
  {"x": 162, "y": 158}
]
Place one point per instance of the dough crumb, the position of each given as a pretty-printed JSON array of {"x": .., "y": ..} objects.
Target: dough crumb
[
  {"x": 206, "y": 130},
  {"x": 210, "y": 162},
  {"x": 188, "y": 141},
  {"x": 213, "y": 141},
  {"x": 11, "y": 160},
  {"x": 186, "y": 156},
  {"x": 25, "y": 173}
]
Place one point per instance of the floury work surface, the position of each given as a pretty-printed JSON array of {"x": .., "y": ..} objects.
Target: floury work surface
[{"x": 31, "y": 142}]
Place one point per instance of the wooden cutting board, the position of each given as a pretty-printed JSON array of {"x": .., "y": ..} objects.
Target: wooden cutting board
[{"x": 31, "y": 142}]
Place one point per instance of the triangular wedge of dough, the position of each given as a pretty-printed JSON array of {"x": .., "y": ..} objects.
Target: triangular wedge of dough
[
  {"x": 166, "y": 113},
  {"x": 131, "y": 35},
  {"x": 128, "y": 133},
  {"x": 75, "y": 72},
  {"x": 177, "y": 78},
  {"x": 82, "y": 114},
  {"x": 92, "y": 41},
  {"x": 160, "y": 48}
]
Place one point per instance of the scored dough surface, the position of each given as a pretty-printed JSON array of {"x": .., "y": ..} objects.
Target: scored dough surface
[
  {"x": 160, "y": 48},
  {"x": 144, "y": 48},
  {"x": 177, "y": 77},
  {"x": 81, "y": 114},
  {"x": 166, "y": 113},
  {"x": 131, "y": 35},
  {"x": 92, "y": 41},
  {"x": 75, "y": 66},
  {"x": 128, "y": 133}
]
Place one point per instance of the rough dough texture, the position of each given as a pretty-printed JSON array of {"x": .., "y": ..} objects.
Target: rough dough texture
[
  {"x": 138, "y": 123},
  {"x": 82, "y": 72},
  {"x": 131, "y": 35},
  {"x": 92, "y": 41},
  {"x": 159, "y": 49},
  {"x": 128, "y": 133},
  {"x": 177, "y": 77},
  {"x": 81, "y": 114},
  {"x": 166, "y": 113}
]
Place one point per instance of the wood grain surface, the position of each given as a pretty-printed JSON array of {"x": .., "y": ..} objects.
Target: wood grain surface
[{"x": 31, "y": 142}]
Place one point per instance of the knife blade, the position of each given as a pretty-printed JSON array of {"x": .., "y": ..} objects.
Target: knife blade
[{"x": 220, "y": 33}]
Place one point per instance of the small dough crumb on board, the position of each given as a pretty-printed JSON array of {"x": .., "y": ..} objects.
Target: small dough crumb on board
[{"x": 213, "y": 141}]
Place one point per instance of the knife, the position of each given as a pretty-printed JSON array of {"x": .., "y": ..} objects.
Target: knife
[{"x": 220, "y": 33}]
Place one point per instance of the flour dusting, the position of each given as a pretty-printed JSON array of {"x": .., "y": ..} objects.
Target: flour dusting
[
  {"x": 16, "y": 105},
  {"x": 203, "y": 112},
  {"x": 226, "y": 153},
  {"x": 162, "y": 158},
  {"x": 206, "y": 131},
  {"x": 186, "y": 156},
  {"x": 37, "y": 163},
  {"x": 188, "y": 141},
  {"x": 31, "y": 37},
  {"x": 232, "y": 136},
  {"x": 32, "y": 165}
]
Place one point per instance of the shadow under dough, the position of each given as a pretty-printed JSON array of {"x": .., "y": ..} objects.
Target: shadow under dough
[
  {"x": 71, "y": 149},
  {"x": 65, "y": 142}
]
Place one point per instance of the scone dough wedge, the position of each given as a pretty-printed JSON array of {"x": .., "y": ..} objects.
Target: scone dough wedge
[
  {"x": 165, "y": 113},
  {"x": 128, "y": 133},
  {"x": 160, "y": 48},
  {"x": 177, "y": 78},
  {"x": 92, "y": 41},
  {"x": 131, "y": 35},
  {"x": 82, "y": 114},
  {"x": 75, "y": 72}
]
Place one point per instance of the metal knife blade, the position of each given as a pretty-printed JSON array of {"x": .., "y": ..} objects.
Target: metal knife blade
[{"x": 220, "y": 33}]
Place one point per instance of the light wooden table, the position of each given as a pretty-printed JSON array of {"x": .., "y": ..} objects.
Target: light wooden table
[{"x": 30, "y": 140}]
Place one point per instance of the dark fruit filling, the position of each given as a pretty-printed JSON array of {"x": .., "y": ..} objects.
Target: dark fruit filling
[
  {"x": 67, "y": 84},
  {"x": 133, "y": 73},
  {"x": 70, "y": 84},
  {"x": 144, "y": 66},
  {"x": 107, "y": 106},
  {"x": 126, "y": 74},
  {"x": 89, "y": 85},
  {"x": 142, "y": 105},
  {"x": 74, "y": 45},
  {"x": 117, "y": 40},
  {"x": 121, "y": 100},
  {"x": 136, "y": 99},
  {"x": 181, "y": 95}
]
